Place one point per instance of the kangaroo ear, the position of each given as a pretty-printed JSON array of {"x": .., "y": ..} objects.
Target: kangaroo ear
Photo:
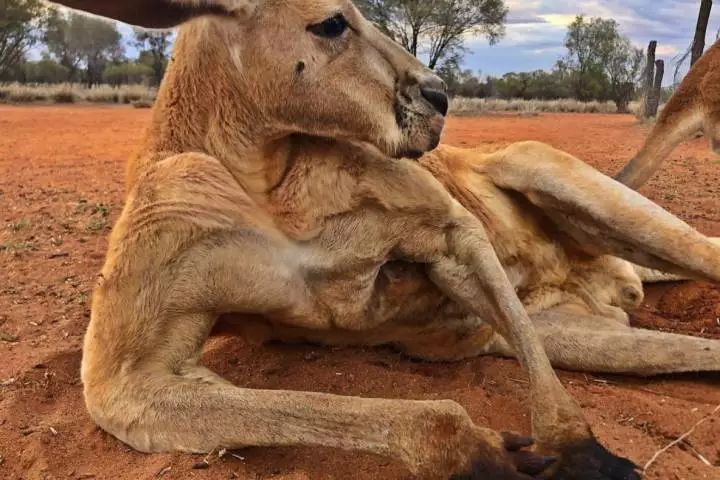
[{"x": 158, "y": 13}]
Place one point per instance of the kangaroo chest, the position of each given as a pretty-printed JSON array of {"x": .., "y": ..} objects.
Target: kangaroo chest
[
  {"x": 327, "y": 209},
  {"x": 348, "y": 242}
]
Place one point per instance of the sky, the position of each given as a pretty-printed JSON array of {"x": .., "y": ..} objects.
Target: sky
[{"x": 536, "y": 31}]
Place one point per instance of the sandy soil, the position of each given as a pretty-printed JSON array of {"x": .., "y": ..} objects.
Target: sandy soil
[{"x": 61, "y": 187}]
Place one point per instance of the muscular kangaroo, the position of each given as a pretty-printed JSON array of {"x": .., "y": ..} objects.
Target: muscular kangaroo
[{"x": 283, "y": 180}]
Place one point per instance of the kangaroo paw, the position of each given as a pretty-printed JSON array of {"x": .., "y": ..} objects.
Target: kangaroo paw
[
  {"x": 524, "y": 464},
  {"x": 588, "y": 460}
]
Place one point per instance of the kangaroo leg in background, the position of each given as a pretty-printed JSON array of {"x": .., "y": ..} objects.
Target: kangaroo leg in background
[
  {"x": 712, "y": 130},
  {"x": 669, "y": 132},
  {"x": 681, "y": 118}
]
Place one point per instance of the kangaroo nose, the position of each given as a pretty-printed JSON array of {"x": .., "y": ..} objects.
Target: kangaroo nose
[{"x": 433, "y": 90}]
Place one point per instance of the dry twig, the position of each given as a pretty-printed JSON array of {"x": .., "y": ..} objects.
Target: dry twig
[
  {"x": 697, "y": 454},
  {"x": 680, "y": 439}
]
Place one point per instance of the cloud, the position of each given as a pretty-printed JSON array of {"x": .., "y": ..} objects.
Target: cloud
[
  {"x": 523, "y": 19},
  {"x": 558, "y": 19},
  {"x": 666, "y": 51},
  {"x": 536, "y": 30}
]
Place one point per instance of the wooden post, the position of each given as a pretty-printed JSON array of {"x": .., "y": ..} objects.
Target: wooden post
[
  {"x": 653, "y": 102},
  {"x": 649, "y": 75},
  {"x": 659, "y": 73},
  {"x": 698, "y": 46}
]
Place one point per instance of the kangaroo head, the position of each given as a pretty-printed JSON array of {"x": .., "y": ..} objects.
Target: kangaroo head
[{"x": 313, "y": 67}]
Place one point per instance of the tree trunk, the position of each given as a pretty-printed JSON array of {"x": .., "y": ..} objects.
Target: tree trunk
[
  {"x": 622, "y": 105},
  {"x": 701, "y": 31},
  {"x": 414, "y": 42},
  {"x": 654, "y": 95},
  {"x": 649, "y": 75},
  {"x": 158, "y": 69},
  {"x": 659, "y": 73},
  {"x": 622, "y": 94}
]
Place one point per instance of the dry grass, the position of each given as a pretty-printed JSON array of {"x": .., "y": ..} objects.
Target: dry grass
[
  {"x": 636, "y": 108},
  {"x": 479, "y": 106},
  {"x": 75, "y": 93},
  {"x": 143, "y": 97}
]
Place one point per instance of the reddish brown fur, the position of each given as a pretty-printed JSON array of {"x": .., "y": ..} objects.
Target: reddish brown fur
[
  {"x": 284, "y": 198},
  {"x": 694, "y": 107}
]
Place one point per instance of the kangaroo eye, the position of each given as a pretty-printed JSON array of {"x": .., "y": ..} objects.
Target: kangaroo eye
[{"x": 333, "y": 27}]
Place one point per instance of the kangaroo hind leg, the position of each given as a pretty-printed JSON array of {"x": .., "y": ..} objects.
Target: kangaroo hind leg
[{"x": 602, "y": 215}]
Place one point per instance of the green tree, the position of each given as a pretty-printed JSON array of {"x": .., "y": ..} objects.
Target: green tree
[
  {"x": 21, "y": 24},
  {"x": 602, "y": 63},
  {"x": 471, "y": 85},
  {"x": 549, "y": 85},
  {"x": 463, "y": 83},
  {"x": 437, "y": 28},
  {"x": 127, "y": 74},
  {"x": 514, "y": 85},
  {"x": 83, "y": 42},
  {"x": 45, "y": 71},
  {"x": 588, "y": 43},
  {"x": 451, "y": 73},
  {"x": 154, "y": 47},
  {"x": 58, "y": 43},
  {"x": 539, "y": 84},
  {"x": 623, "y": 69}
]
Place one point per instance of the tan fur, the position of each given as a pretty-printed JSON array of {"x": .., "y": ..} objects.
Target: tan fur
[
  {"x": 277, "y": 194},
  {"x": 693, "y": 108}
]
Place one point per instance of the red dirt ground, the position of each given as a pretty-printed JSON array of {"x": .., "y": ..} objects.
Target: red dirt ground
[{"x": 61, "y": 187}]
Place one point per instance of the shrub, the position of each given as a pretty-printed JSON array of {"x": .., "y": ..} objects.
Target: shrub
[
  {"x": 45, "y": 71},
  {"x": 70, "y": 93},
  {"x": 479, "y": 106},
  {"x": 136, "y": 93},
  {"x": 63, "y": 96},
  {"x": 17, "y": 93},
  {"x": 102, "y": 94},
  {"x": 128, "y": 74}
]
